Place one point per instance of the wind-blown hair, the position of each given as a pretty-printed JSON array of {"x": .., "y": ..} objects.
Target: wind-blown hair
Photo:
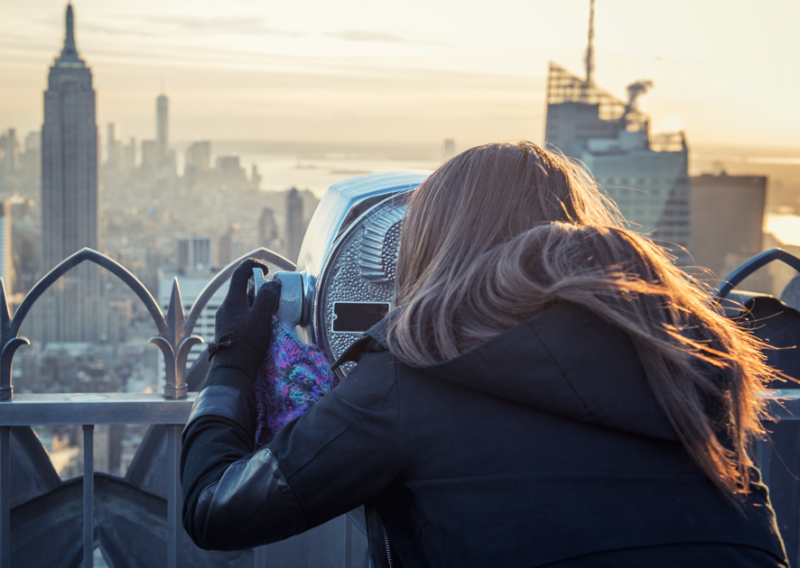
[{"x": 500, "y": 232}]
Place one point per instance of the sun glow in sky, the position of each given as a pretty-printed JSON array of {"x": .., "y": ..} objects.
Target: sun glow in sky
[{"x": 410, "y": 71}]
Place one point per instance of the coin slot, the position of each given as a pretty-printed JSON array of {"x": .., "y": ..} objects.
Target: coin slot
[{"x": 355, "y": 317}]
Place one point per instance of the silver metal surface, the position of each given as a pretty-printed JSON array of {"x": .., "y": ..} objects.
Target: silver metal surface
[
  {"x": 372, "y": 239},
  {"x": 176, "y": 346},
  {"x": 349, "y": 252},
  {"x": 290, "y": 310},
  {"x": 105, "y": 408},
  {"x": 380, "y": 241},
  {"x": 258, "y": 278},
  {"x": 342, "y": 204},
  {"x": 746, "y": 269},
  {"x": 88, "y": 496}
]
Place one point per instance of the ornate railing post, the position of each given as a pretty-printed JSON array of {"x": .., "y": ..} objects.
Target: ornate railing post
[{"x": 176, "y": 346}]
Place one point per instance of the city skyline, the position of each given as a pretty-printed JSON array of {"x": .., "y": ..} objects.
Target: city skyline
[{"x": 409, "y": 72}]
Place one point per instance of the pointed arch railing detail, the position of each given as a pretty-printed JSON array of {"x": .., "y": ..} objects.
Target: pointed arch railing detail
[{"x": 174, "y": 332}]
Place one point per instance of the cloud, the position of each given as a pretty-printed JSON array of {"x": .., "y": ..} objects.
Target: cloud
[
  {"x": 218, "y": 26},
  {"x": 117, "y": 31},
  {"x": 362, "y": 35},
  {"x": 356, "y": 35},
  {"x": 231, "y": 25}
]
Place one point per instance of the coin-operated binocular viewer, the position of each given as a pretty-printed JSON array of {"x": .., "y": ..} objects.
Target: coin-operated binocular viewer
[{"x": 344, "y": 283}]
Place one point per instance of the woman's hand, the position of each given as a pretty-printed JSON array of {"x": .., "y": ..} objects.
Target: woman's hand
[{"x": 243, "y": 327}]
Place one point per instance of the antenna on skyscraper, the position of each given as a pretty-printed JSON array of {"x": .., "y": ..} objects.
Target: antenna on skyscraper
[{"x": 590, "y": 47}]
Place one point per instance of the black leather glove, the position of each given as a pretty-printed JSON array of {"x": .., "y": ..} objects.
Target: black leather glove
[{"x": 243, "y": 327}]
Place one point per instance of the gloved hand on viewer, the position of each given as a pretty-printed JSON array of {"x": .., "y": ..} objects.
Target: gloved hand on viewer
[{"x": 243, "y": 326}]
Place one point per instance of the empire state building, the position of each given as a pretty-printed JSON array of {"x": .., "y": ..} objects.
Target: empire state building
[{"x": 70, "y": 193}]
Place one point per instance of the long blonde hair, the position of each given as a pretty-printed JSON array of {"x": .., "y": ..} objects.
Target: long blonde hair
[{"x": 502, "y": 231}]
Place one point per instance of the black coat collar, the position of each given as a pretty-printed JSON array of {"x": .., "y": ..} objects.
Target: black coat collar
[{"x": 565, "y": 361}]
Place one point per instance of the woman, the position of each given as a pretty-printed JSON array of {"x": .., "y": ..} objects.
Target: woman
[{"x": 549, "y": 391}]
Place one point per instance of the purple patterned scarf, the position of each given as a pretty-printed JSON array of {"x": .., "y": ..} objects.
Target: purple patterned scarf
[{"x": 291, "y": 379}]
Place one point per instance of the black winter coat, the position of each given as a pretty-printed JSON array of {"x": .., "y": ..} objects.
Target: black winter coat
[{"x": 541, "y": 447}]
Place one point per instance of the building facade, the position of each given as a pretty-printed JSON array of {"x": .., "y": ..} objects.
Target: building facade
[
  {"x": 6, "y": 258},
  {"x": 162, "y": 125},
  {"x": 647, "y": 176},
  {"x": 740, "y": 201},
  {"x": 295, "y": 227},
  {"x": 198, "y": 155},
  {"x": 194, "y": 252}
]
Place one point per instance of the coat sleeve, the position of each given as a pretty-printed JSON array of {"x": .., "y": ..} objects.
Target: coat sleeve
[{"x": 344, "y": 451}]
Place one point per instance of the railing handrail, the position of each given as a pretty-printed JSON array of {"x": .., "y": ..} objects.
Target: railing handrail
[
  {"x": 750, "y": 266},
  {"x": 94, "y": 408}
]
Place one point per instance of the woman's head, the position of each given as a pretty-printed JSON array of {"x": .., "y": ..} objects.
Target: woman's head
[
  {"x": 485, "y": 197},
  {"x": 502, "y": 231},
  {"x": 460, "y": 222}
]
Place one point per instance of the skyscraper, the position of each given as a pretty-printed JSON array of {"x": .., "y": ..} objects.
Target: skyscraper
[
  {"x": 69, "y": 156},
  {"x": 69, "y": 190},
  {"x": 449, "y": 148},
  {"x": 163, "y": 159},
  {"x": 295, "y": 230},
  {"x": 31, "y": 165},
  {"x": 194, "y": 252},
  {"x": 647, "y": 176},
  {"x": 9, "y": 160},
  {"x": 198, "y": 155},
  {"x": 162, "y": 126},
  {"x": 268, "y": 233},
  {"x": 128, "y": 159},
  {"x": 113, "y": 146},
  {"x": 150, "y": 156},
  {"x": 739, "y": 201},
  {"x": 6, "y": 261}
]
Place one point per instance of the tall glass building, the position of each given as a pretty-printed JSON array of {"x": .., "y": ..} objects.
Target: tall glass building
[{"x": 647, "y": 176}]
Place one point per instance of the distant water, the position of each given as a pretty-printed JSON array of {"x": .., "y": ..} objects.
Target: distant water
[
  {"x": 741, "y": 159},
  {"x": 318, "y": 166},
  {"x": 318, "y": 174},
  {"x": 785, "y": 227}
]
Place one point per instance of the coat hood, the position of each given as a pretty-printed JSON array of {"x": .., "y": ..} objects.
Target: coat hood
[{"x": 565, "y": 361}]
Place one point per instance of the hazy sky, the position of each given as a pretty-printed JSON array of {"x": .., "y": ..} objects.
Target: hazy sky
[{"x": 408, "y": 70}]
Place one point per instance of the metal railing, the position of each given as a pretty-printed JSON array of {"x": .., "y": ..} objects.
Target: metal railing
[{"x": 174, "y": 338}]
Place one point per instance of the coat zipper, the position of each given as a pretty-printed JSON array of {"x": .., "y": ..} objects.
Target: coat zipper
[{"x": 388, "y": 549}]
